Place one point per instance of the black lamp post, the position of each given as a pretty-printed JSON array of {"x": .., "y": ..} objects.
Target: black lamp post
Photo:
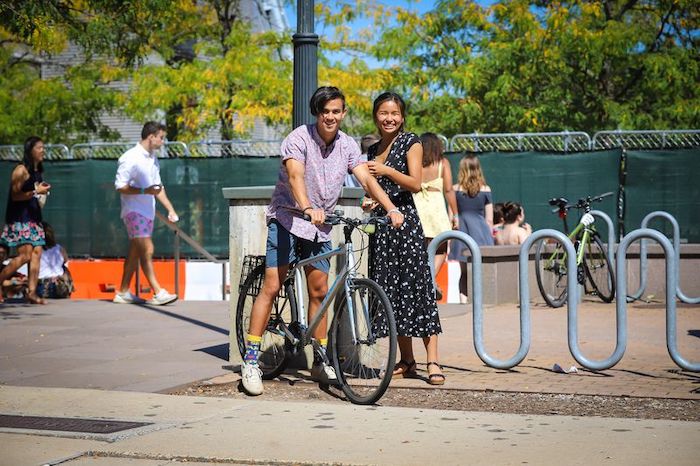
[{"x": 305, "y": 63}]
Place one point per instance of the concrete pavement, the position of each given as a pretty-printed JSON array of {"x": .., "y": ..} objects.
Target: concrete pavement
[{"x": 94, "y": 359}]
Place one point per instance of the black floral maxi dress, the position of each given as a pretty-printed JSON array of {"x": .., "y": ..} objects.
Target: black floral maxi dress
[{"x": 398, "y": 259}]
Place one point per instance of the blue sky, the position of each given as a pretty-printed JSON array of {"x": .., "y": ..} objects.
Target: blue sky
[{"x": 419, "y": 6}]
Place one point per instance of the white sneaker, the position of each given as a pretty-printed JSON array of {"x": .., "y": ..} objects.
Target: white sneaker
[
  {"x": 252, "y": 379},
  {"x": 162, "y": 298},
  {"x": 126, "y": 298},
  {"x": 322, "y": 372}
]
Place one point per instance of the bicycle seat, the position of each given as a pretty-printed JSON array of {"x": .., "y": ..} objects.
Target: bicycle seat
[{"x": 559, "y": 202}]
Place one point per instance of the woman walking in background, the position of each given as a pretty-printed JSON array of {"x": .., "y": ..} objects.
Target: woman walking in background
[
  {"x": 398, "y": 260},
  {"x": 475, "y": 210},
  {"x": 436, "y": 188},
  {"x": 23, "y": 228}
]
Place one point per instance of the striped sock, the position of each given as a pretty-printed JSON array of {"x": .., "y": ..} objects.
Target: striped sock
[
  {"x": 324, "y": 344},
  {"x": 252, "y": 348}
]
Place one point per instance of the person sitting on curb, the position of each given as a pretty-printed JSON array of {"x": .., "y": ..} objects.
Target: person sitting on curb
[{"x": 515, "y": 231}]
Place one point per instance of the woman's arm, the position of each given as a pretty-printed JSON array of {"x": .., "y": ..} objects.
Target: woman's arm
[
  {"x": 410, "y": 182},
  {"x": 488, "y": 213},
  {"x": 450, "y": 195},
  {"x": 371, "y": 186},
  {"x": 19, "y": 176}
]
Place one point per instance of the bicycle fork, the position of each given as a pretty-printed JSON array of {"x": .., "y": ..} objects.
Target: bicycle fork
[{"x": 355, "y": 306}]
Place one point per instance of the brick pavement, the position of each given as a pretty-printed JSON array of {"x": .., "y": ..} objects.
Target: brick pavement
[
  {"x": 96, "y": 344},
  {"x": 646, "y": 369}
]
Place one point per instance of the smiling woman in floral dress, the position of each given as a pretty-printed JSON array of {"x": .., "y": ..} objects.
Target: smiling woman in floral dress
[{"x": 398, "y": 259}]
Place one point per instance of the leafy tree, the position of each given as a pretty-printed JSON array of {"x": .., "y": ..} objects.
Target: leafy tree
[
  {"x": 210, "y": 69},
  {"x": 230, "y": 79},
  {"x": 548, "y": 66},
  {"x": 59, "y": 110}
]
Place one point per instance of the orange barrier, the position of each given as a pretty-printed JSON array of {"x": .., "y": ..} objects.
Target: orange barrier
[
  {"x": 99, "y": 279},
  {"x": 441, "y": 280}
]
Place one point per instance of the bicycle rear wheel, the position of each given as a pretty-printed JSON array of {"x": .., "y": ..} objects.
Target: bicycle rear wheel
[
  {"x": 550, "y": 268},
  {"x": 598, "y": 269},
  {"x": 364, "y": 364},
  {"x": 272, "y": 359}
]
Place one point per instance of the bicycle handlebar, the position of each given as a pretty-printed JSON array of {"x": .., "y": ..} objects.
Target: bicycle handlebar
[
  {"x": 583, "y": 203},
  {"x": 338, "y": 217}
]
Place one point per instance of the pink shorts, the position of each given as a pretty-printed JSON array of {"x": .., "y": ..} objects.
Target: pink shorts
[{"x": 138, "y": 226}]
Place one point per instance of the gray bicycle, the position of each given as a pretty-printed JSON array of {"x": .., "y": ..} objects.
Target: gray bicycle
[{"x": 362, "y": 337}]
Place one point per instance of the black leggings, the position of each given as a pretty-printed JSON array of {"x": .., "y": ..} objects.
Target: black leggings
[{"x": 463, "y": 278}]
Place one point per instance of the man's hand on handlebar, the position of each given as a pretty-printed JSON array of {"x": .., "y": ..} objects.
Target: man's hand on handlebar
[{"x": 316, "y": 216}]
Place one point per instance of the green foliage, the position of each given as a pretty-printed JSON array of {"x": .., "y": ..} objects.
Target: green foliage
[
  {"x": 229, "y": 86},
  {"x": 58, "y": 110},
  {"x": 548, "y": 66},
  {"x": 515, "y": 66}
]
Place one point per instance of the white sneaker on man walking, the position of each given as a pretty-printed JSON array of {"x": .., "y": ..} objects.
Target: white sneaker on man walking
[
  {"x": 126, "y": 298},
  {"x": 162, "y": 298},
  {"x": 251, "y": 376}
]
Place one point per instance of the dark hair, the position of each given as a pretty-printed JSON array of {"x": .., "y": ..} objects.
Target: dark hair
[
  {"x": 386, "y": 97},
  {"x": 152, "y": 127},
  {"x": 497, "y": 212},
  {"x": 367, "y": 141},
  {"x": 511, "y": 212},
  {"x": 432, "y": 149},
  {"x": 49, "y": 235},
  {"x": 27, "y": 161},
  {"x": 322, "y": 96}
]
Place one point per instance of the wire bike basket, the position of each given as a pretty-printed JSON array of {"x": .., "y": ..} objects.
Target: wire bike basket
[{"x": 250, "y": 264}]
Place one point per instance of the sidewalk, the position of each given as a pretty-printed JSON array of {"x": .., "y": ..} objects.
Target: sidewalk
[{"x": 53, "y": 357}]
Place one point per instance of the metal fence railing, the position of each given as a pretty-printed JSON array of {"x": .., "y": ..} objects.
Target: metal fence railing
[
  {"x": 566, "y": 141},
  {"x": 519, "y": 142},
  {"x": 52, "y": 152},
  {"x": 665, "y": 139},
  {"x": 114, "y": 150},
  {"x": 236, "y": 148}
]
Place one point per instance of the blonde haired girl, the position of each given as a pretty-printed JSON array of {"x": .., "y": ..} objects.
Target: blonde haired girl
[{"x": 475, "y": 211}]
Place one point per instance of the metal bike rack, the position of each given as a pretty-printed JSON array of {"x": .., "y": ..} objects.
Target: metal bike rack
[
  {"x": 671, "y": 291},
  {"x": 643, "y": 264},
  {"x": 477, "y": 304},
  {"x": 611, "y": 233},
  {"x": 672, "y": 260}
]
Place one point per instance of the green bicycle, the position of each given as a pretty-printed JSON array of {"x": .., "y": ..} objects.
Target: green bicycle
[{"x": 593, "y": 269}]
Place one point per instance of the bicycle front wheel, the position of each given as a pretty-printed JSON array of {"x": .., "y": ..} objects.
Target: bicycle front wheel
[
  {"x": 363, "y": 359},
  {"x": 272, "y": 359},
  {"x": 550, "y": 268},
  {"x": 598, "y": 269}
]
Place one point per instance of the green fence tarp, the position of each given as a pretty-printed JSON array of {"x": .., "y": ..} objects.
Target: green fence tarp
[
  {"x": 532, "y": 178},
  {"x": 666, "y": 181},
  {"x": 84, "y": 207}
]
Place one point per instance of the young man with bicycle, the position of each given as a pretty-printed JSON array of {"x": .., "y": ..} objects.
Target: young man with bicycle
[{"x": 315, "y": 160}]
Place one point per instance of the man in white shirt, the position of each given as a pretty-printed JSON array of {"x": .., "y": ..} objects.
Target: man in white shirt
[{"x": 138, "y": 181}]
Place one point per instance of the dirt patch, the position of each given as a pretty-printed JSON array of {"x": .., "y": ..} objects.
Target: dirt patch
[{"x": 471, "y": 400}]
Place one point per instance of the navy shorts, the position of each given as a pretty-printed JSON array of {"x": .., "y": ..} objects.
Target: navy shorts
[{"x": 283, "y": 248}]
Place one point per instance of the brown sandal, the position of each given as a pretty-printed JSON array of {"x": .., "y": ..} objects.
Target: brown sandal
[
  {"x": 436, "y": 379},
  {"x": 405, "y": 369}
]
